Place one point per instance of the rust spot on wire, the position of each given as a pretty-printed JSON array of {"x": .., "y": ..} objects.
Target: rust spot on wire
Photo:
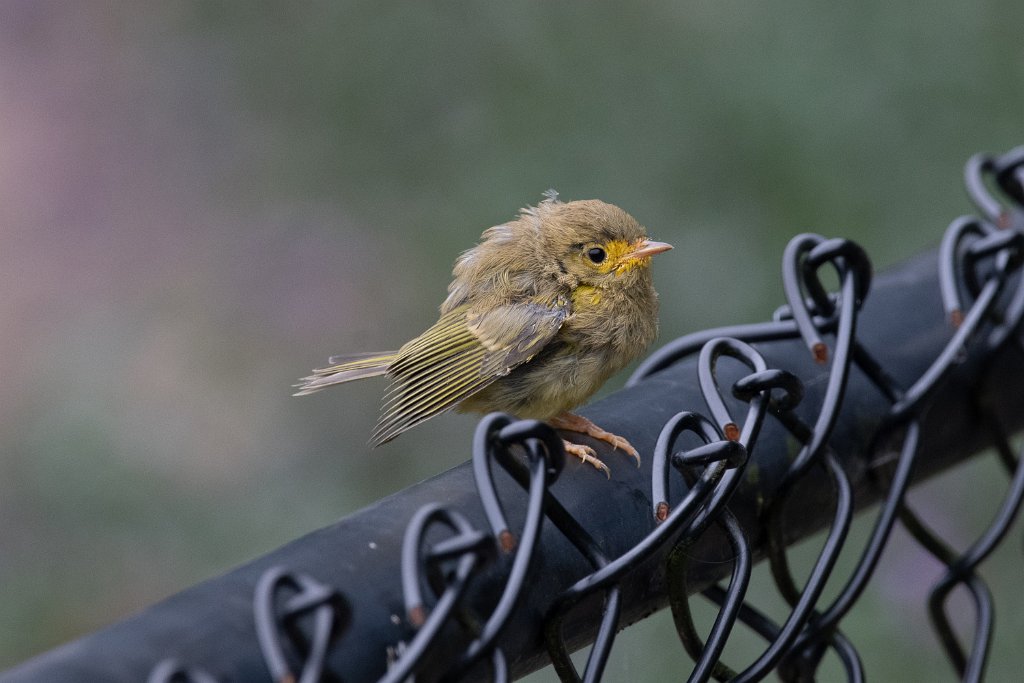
[
  {"x": 731, "y": 431},
  {"x": 820, "y": 352},
  {"x": 661, "y": 512},
  {"x": 507, "y": 541}
]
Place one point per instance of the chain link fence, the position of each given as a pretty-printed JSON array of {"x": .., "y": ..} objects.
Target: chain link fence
[{"x": 755, "y": 436}]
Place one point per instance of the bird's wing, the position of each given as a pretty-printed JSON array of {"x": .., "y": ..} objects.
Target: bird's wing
[{"x": 461, "y": 354}]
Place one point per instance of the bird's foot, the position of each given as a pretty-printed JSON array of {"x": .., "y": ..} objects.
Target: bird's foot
[
  {"x": 577, "y": 423},
  {"x": 586, "y": 454}
]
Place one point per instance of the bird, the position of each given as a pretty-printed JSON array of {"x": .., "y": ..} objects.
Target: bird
[{"x": 539, "y": 314}]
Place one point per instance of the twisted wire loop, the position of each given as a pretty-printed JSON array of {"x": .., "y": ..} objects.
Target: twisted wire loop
[
  {"x": 755, "y": 388},
  {"x": 281, "y": 600},
  {"x": 812, "y": 311},
  {"x": 447, "y": 567}
]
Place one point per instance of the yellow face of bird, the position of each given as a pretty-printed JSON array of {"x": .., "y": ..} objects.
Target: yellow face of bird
[{"x": 618, "y": 256}]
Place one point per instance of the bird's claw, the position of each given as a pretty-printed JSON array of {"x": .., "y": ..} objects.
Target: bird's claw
[
  {"x": 586, "y": 454},
  {"x": 578, "y": 423},
  {"x": 618, "y": 442}
]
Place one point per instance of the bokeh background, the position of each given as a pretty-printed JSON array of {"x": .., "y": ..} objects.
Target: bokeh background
[{"x": 201, "y": 201}]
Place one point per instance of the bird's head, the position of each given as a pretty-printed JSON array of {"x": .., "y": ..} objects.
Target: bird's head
[
  {"x": 596, "y": 244},
  {"x": 584, "y": 243}
]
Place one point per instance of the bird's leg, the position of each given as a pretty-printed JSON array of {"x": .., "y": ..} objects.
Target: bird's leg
[{"x": 577, "y": 423}]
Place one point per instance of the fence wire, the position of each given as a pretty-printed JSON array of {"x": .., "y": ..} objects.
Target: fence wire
[{"x": 458, "y": 622}]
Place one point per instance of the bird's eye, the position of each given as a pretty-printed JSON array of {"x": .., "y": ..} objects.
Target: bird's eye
[{"x": 596, "y": 255}]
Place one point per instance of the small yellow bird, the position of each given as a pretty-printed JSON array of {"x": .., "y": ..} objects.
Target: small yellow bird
[{"x": 539, "y": 314}]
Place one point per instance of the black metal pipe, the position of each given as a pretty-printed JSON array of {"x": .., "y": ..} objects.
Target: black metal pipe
[{"x": 210, "y": 628}]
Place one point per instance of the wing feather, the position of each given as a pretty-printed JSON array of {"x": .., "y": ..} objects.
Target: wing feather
[
  {"x": 345, "y": 369},
  {"x": 458, "y": 356}
]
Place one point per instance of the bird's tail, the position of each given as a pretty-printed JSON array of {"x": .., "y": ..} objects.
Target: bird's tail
[{"x": 345, "y": 369}]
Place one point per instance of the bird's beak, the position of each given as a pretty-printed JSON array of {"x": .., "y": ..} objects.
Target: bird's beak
[{"x": 648, "y": 248}]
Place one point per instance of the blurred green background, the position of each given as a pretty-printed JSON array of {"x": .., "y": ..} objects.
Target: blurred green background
[{"x": 201, "y": 201}]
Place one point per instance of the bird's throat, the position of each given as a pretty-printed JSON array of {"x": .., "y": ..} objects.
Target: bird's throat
[{"x": 586, "y": 295}]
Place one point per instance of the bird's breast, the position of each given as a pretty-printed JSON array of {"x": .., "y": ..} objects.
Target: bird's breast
[{"x": 622, "y": 322}]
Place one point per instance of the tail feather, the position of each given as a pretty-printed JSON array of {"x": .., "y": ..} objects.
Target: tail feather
[{"x": 345, "y": 369}]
